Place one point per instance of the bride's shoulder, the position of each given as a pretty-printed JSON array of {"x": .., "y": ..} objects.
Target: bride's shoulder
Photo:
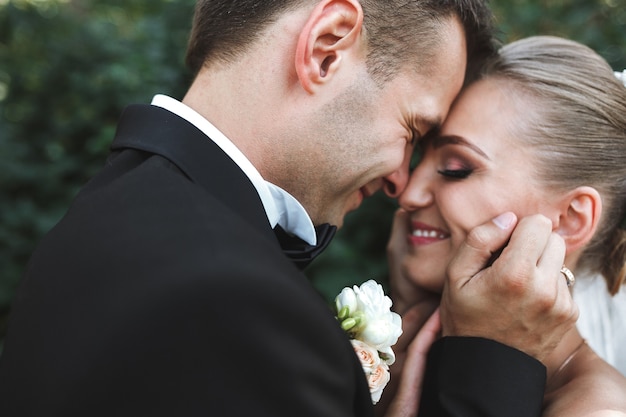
[{"x": 592, "y": 388}]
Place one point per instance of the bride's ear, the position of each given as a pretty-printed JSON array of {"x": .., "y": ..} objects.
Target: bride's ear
[{"x": 580, "y": 213}]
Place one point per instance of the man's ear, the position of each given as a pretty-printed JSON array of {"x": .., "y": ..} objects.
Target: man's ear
[
  {"x": 333, "y": 27},
  {"x": 580, "y": 214}
]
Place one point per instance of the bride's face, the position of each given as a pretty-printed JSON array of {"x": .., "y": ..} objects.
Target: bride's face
[{"x": 477, "y": 168}]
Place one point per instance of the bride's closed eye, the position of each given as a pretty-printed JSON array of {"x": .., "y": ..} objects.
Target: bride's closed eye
[
  {"x": 455, "y": 169},
  {"x": 458, "y": 157},
  {"x": 458, "y": 174}
]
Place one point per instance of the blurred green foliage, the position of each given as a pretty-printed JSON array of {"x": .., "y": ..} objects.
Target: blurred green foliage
[{"x": 68, "y": 68}]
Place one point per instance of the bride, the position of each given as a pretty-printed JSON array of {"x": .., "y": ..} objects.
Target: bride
[
  {"x": 543, "y": 131},
  {"x": 602, "y": 320}
]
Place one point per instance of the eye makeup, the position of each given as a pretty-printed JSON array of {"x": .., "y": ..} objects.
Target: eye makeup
[
  {"x": 455, "y": 160},
  {"x": 457, "y": 174}
]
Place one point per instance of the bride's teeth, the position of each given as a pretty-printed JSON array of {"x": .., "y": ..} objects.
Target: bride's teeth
[{"x": 426, "y": 233}]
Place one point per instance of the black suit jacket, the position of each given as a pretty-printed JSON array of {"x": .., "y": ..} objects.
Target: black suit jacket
[{"x": 164, "y": 292}]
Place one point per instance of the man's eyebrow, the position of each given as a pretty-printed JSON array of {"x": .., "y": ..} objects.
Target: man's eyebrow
[{"x": 439, "y": 141}]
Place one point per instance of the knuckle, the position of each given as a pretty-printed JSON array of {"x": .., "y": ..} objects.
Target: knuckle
[
  {"x": 517, "y": 278},
  {"x": 478, "y": 238},
  {"x": 547, "y": 303},
  {"x": 561, "y": 307},
  {"x": 569, "y": 309},
  {"x": 556, "y": 243},
  {"x": 517, "y": 286},
  {"x": 538, "y": 220}
]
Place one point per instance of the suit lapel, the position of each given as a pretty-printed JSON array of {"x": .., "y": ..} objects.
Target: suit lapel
[{"x": 156, "y": 130}]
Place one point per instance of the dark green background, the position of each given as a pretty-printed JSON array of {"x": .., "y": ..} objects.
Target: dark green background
[{"x": 68, "y": 68}]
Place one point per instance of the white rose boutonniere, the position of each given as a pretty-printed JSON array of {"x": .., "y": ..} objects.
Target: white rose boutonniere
[{"x": 365, "y": 314}]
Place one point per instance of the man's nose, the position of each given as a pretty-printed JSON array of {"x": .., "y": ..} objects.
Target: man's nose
[{"x": 395, "y": 183}]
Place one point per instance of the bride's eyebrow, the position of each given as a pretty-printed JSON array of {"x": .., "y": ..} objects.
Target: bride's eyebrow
[{"x": 439, "y": 141}]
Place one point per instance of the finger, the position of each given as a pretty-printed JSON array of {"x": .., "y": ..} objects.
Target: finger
[
  {"x": 481, "y": 244},
  {"x": 549, "y": 266},
  {"x": 529, "y": 240},
  {"x": 550, "y": 274},
  {"x": 553, "y": 255},
  {"x": 425, "y": 338},
  {"x": 413, "y": 320},
  {"x": 517, "y": 266},
  {"x": 406, "y": 402}
]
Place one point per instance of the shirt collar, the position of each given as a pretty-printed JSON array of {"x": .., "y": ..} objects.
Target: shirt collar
[{"x": 280, "y": 207}]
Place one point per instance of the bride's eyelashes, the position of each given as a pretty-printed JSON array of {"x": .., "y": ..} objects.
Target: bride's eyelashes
[
  {"x": 457, "y": 174},
  {"x": 457, "y": 157},
  {"x": 455, "y": 168}
]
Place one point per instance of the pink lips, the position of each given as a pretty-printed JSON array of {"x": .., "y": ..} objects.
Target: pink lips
[{"x": 423, "y": 234}]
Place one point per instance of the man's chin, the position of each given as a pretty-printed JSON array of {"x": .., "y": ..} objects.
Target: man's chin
[
  {"x": 333, "y": 220},
  {"x": 337, "y": 223},
  {"x": 338, "y": 218}
]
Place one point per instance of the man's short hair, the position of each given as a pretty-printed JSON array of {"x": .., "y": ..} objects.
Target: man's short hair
[{"x": 399, "y": 32}]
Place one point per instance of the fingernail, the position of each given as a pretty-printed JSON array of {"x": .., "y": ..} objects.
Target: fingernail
[{"x": 505, "y": 220}]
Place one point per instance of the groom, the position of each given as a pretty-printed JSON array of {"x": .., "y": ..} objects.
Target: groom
[{"x": 170, "y": 288}]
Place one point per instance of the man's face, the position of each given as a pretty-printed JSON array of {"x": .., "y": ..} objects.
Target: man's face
[{"x": 369, "y": 132}]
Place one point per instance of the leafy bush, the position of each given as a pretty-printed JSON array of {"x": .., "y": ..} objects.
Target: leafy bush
[{"x": 67, "y": 69}]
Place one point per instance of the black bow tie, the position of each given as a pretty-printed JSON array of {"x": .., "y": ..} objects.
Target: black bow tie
[{"x": 300, "y": 252}]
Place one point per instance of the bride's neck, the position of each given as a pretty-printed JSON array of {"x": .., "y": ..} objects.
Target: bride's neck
[{"x": 562, "y": 357}]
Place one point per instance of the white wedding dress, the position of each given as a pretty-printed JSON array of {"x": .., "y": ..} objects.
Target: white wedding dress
[{"x": 602, "y": 320}]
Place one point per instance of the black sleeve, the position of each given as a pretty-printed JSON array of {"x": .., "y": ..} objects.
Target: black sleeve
[{"x": 470, "y": 376}]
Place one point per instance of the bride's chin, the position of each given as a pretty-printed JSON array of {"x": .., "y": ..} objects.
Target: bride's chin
[
  {"x": 427, "y": 277},
  {"x": 428, "y": 283}
]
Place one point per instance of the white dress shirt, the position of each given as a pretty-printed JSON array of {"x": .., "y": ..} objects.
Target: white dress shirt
[{"x": 280, "y": 206}]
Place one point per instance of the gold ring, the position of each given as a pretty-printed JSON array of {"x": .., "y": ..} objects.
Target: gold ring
[{"x": 569, "y": 276}]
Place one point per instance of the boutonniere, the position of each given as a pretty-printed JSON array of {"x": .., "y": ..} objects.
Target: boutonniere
[{"x": 364, "y": 312}]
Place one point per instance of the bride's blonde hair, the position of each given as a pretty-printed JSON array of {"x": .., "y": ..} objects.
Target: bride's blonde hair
[{"x": 575, "y": 120}]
